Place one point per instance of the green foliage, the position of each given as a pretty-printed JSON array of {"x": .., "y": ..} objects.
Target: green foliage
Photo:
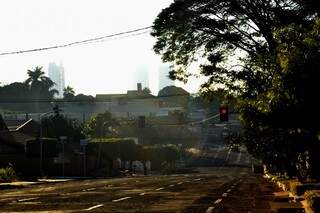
[
  {"x": 172, "y": 91},
  {"x": 59, "y": 125},
  {"x": 163, "y": 153},
  {"x": 265, "y": 54},
  {"x": 127, "y": 150},
  {"x": 40, "y": 85},
  {"x": 36, "y": 87},
  {"x": 7, "y": 174},
  {"x": 100, "y": 125},
  {"x": 157, "y": 131},
  {"x": 146, "y": 91},
  {"x": 83, "y": 98},
  {"x": 68, "y": 93},
  {"x": 313, "y": 199}
]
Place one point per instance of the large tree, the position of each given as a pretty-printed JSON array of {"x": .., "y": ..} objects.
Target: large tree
[
  {"x": 189, "y": 30},
  {"x": 68, "y": 93},
  {"x": 40, "y": 85},
  {"x": 265, "y": 53}
]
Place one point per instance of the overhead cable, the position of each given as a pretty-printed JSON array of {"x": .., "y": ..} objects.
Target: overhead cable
[{"x": 86, "y": 41}]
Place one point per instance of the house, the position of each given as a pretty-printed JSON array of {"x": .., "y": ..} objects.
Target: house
[{"x": 14, "y": 135}]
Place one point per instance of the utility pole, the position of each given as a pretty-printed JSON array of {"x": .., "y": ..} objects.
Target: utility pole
[
  {"x": 41, "y": 141},
  {"x": 63, "y": 139}
]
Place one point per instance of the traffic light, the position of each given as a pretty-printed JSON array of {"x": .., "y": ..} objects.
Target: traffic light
[{"x": 224, "y": 113}]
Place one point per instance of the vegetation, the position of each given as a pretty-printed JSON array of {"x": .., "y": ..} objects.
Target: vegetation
[
  {"x": 265, "y": 56},
  {"x": 68, "y": 93},
  {"x": 107, "y": 150},
  {"x": 36, "y": 88},
  {"x": 55, "y": 126},
  {"x": 7, "y": 174},
  {"x": 146, "y": 91},
  {"x": 313, "y": 199},
  {"x": 40, "y": 85},
  {"x": 100, "y": 125}
]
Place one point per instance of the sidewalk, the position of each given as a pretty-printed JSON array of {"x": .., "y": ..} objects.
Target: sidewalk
[
  {"x": 281, "y": 201},
  {"x": 23, "y": 184}
]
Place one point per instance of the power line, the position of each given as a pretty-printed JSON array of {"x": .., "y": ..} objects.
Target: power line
[
  {"x": 5, "y": 100},
  {"x": 86, "y": 41}
]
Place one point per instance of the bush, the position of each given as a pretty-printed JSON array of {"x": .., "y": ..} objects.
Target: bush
[
  {"x": 313, "y": 199},
  {"x": 7, "y": 174},
  {"x": 299, "y": 189},
  {"x": 296, "y": 188}
]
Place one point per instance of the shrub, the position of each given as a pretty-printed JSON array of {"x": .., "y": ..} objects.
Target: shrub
[
  {"x": 7, "y": 174},
  {"x": 313, "y": 199},
  {"x": 299, "y": 189},
  {"x": 296, "y": 188}
]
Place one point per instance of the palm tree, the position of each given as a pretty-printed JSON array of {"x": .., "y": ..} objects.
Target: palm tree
[
  {"x": 39, "y": 84},
  {"x": 68, "y": 93}
]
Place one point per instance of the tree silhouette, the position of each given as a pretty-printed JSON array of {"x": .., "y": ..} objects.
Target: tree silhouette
[
  {"x": 40, "y": 85},
  {"x": 68, "y": 93}
]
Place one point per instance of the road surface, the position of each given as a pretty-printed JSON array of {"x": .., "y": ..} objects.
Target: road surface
[{"x": 215, "y": 189}]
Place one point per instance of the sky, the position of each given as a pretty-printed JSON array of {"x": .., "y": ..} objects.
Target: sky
[{"x": 95, "y": 68}]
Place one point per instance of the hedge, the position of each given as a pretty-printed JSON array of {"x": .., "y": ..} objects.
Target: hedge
[{"x": 313, "y": 199}]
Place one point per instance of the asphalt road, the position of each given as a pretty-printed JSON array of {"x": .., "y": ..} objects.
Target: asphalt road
[{"x": 219, "y": 189}]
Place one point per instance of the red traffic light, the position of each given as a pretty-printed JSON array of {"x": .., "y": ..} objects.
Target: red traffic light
[{"x": 224, "y": 113}]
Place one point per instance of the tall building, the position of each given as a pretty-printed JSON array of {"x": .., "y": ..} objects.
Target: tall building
[
  {"x": 163, "y": 77},
  {"x": 56, "y": 74}
]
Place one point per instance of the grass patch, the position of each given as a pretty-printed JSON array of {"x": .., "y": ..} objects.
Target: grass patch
[{"x": 7, "y": 174}]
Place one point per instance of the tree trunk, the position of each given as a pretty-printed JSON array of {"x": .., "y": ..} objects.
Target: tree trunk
[
  {"x": 131, "y": 170},
  {"x": 110, "y": 167}
]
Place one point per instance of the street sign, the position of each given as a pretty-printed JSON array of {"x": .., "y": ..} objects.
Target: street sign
[{"x": 83, "y": 142}]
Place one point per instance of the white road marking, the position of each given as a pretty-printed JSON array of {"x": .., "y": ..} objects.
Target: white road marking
[
  {"x": 5, "y": 199},
  {"x": 141, "y": 194},
  {"x": 171, "y": 185},
  {"x": 180, "y": 183},
  {"x": 224, "y": 194},
  {"x": 197, "y": 179},
  {"x": 217, "y": 201},
  {"x": 91, "y": 189},
  {"x": 94, "y": 207},
  {"x": 159, "y": 189},
  {"x": 28, "y": 199},
  {"x": 229, "y": 190},
  {"x": 210, "y": 209},
  {"x": 121, "y": 199},
  {"x": 25, "y": 203},
  {"x": 228, "y": 155}
]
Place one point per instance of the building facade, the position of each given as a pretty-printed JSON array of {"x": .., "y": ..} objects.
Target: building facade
[{"x": 56, "y": 74}]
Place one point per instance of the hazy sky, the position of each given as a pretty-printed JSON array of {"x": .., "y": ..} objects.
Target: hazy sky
[{"x": 102, "y": 67}]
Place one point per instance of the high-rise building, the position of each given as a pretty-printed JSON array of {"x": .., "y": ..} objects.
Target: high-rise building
[
  {"x": 164, "y": 79},
  {"x": 56, "y": 74}
]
